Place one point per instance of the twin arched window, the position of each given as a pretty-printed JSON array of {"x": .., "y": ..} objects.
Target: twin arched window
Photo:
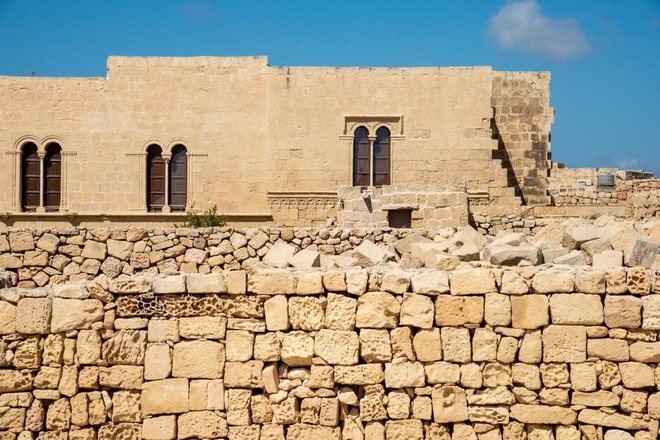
[
  {"x": 371, "y": 157},
  {"x": 166, "y": 179},
  {"x": 41, "y": 176}
]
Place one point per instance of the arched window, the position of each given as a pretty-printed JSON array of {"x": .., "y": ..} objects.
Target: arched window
[
  {"x": 30, "y": 177},
  {"x": 361, "y": 157},
  {"x": 177, "y": 179},
  {"x": 155, "y": 178},
  {"x": 381, "y": 174},
  {"x": 52, "y": 177}
]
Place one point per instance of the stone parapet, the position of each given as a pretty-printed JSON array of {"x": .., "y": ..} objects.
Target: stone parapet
[{"x": 344, "y": 353}]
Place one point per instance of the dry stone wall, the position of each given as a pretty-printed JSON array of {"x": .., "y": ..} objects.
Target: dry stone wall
[{"x": 530, "y": 353}]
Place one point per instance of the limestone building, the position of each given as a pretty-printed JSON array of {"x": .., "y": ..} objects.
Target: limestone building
[{"x": 264, "y": 143}]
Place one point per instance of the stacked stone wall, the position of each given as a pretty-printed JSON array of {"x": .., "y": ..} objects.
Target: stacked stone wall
[{"x": 274, "y": 354}]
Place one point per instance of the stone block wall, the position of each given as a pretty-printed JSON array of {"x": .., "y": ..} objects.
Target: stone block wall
[
  {"x": 374, "y": 354},
  {"x": 431, "y": 206},
  {"x": 521, "y": 124}
]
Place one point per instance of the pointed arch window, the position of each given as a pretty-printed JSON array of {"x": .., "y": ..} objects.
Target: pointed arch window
[
  {"x": 155, "y": 178},
  {"x": 52, "y": 177},
  {"x": 361, "y": 157},
  {"x": 381, "y": 175},
  {"x": 30, "y": 178},
  {"x": 178, "y": 172}
]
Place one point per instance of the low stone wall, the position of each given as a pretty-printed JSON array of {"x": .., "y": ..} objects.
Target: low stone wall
[
  {"x": 536, "y": 353},
  {"x": 56, "y": 255},
  {"x": 645, "y": 205}
]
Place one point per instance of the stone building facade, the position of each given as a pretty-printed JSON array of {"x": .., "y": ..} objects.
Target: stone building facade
[{"x": 265, "y": 144}]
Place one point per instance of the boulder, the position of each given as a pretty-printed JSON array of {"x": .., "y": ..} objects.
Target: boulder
[
  {"x": 511, "y": 255},
  {"x": 404, "y": 245},
  {"x": 610, "y": 258},
  {"x": 368, "y": 254},
  {"x": 306, "y": 258},
  {"x": 573, "y": 258},
  {"x": 278, "y": 256},
  {"x": 576, "y": 236},
  {"x": 640, "y": 252}
]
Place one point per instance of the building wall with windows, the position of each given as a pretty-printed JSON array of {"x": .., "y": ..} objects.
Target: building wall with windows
[{"x": 159, "y": 135}]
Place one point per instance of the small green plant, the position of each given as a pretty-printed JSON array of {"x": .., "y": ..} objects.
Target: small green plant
[{"x": 208, "y": 218}]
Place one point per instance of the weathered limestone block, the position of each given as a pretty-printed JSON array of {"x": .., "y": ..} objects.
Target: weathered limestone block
[
  {"x": 95, "y": 250},
  {"x": 243, "y": 374},
  {"x": 278, "y": 255},
  {"x": 640, "y": 252},
  {"x": 395, "y": 281},
  {"x": 169, "y": 285},
  {"x": 169, "y": 396},
  {"x": 306, "y": 258},
  {"x": 564, "y": 343},
  {"x": 404, "y": 430},
  {"x": 497, "y": 310},
  {"x": 236, "y": 282},
  {"x": 645, "y": 352},
  {"x": 615, "y": 420},
  {"x": 337, "y": 347},
  {"x": 261, "y": 410},
  {"x": 340, "y": 312},
  {"x": 309, "y": 283},
  {"x": 488, "y": 414},
  {"x": 35, "y": 258},
  {"x": 286, "y": 412},
  {"x": 449, "y": 404},
  {"x": 297, "y": 349},
  {"x": 48, "y": 242},
  {"x": 239, "y": 345},
  {"x": 495, "y": 375},
  {"x": 553, "y": 281},
  {"x": 484, "y": 345},
  {"x": 416, "y": 311},
  {"x": 456, "y": 345},
  {"x": 303, "y": 432},
  {"x": 271, "y": 282},
  {"x": 356, "y": 281},
  {"x": 431, "y": 282},
  {"x": 377, "y": 310},
  {"x": 126, "y": 407},
  {"x": 651, "y": 312},
  {"x": 276, "y": 313},
  {"x": 8, "y": 261},
  {"x": 306, "y": 313},
  {"x": 125, "y": 347},
  {"x": 159, "y": 330},
  {"x": 159, "y": 428},
  {"x": 120, "y": 249},
  {"x": 335, "y": 281},
  {"x": 375, "y": 345},
  {"x": 529, "y": 311},
  {"x": 128, "y": 377},
  {"x": 365, "y": 374},
  {"x": 576, "y": 308},
  {"x": 33, "y": 316},
  {"x": 267, "y": 347},
  {"x": 590, "y": 281},
  {"x": 608, "y": 349},
  {"x": 201, "y": 424},
  {"x": 7, "y": 318},
  {"x": 638, "y": 280},
  {"x": 623, "y": 311},
  {"x": 73, "y": 314},
  {"x": 368, "y": 254},
  {"x": 428, "y": 345},
  {"x": 198, "y": 359},
  {"x": 27, "y": 354},
  {"x": 206, "y": 283},
  {"x": 442, "y": 373},
  {"x": 456, "y": 310},
  {"x": 405, "y": 374},
  {"x": 198, "y": 327},
  {"x": 543, "y": 414},
  {"x": 599, "y": 399},
  {"x": 473, "y": 281},
  {"x": 157, "y": 361},
  {"x": 583, "y": 377}
]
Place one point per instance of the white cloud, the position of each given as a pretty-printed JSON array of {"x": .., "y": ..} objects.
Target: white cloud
[{"x": 520, "y": 26}]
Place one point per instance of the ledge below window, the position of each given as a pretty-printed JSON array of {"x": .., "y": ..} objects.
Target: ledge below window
[{"x": 34, "y": 219}]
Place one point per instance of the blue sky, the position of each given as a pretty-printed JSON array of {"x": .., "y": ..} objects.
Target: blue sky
[{"x": 604, "y": 55}]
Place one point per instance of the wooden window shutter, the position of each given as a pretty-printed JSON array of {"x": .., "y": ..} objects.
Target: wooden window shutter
[
  {"x": 382, "y": 157},
  {"x": 155, "y": 178},
  {"x": 361, "y": 157},
  {"x": 52, "y": 177},
  {"x": 30, "y": 177},
  {"x": 178, "y": 178}
]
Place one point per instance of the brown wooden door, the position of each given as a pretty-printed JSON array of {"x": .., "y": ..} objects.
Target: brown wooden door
[
  {"x": 382, "y": 157},
  {"x": 155, "y": 178},
  {"x": 52, "y": 177},
  {"x": 178, "y": 178},
  {"x": 361, "y": 157},
  {"x": 30, "y": 171}
]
